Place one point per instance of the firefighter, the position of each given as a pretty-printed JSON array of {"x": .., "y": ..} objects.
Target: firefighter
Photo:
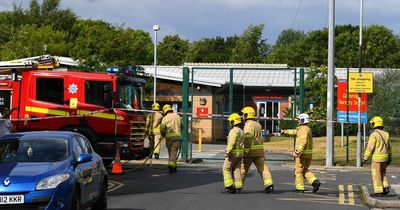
[
  {"x": 233, "y": 156},
  {"x": 171, "y": 130},
  {"x": 254, "y": 149},
  {"x": 379, "y": 147},
  {"x": 153, "y": 122},
  {"x": 303, "y": 154}
]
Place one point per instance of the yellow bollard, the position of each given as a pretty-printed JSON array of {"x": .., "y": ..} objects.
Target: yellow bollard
[{"x": 200, "y": 139}]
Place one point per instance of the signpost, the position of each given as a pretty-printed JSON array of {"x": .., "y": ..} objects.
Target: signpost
[{"x": 353, "y": 104}]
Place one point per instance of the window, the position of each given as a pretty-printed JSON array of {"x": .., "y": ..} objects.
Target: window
[
  {"x": 77, "y": 149},
  {"x": 94, "y": 92},
  {"x": 86, "y": 148},
  {"x": 50, "y": 90}
]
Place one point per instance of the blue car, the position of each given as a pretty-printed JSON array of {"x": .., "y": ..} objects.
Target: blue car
[{"x": 50, "y": 170}]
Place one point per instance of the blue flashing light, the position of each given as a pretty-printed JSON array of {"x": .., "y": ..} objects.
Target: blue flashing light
[{"x": 112, "y": 69}]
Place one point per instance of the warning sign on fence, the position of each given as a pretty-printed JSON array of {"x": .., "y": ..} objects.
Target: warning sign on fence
[{"x": 361, "y": 82}]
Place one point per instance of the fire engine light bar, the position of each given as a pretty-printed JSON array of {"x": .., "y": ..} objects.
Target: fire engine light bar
[{"x": 112, "y": 69}]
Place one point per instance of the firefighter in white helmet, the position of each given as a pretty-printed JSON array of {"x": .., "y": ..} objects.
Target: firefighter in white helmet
[
  {"x": 153, "y": 122},
  {"x": 170, "y": 128},
  {"x": 303, "y": 154},
  {"x": 233, "y": 156},
  {"x": 380, "y": 149},
  {"x": 254, "y": 149}
]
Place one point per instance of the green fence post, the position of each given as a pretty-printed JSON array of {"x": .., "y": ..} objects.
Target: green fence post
[
  {"x": 295, "y": 104},
  {"x": 185, "y": 110}
]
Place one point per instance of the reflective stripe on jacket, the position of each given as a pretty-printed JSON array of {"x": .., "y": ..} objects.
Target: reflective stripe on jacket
[
  {"x": 171, "y": 126},
  {"x": 304, "y": 141},
  {"x": 379, "y": 146},
  {"x": 234, "y": 145},
  {"x": 253, "y": 142}
]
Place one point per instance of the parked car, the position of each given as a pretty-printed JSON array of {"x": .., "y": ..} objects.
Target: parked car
[{"x": 50, "y": 170}]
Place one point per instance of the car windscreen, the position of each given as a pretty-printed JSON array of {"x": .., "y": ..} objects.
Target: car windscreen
[{"x": 33, "y": 150}]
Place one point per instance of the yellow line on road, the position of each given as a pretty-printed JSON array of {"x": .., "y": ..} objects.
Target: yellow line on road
[
  {"x": 341, "y": 194},
  {"x": 351, "y": 194}
]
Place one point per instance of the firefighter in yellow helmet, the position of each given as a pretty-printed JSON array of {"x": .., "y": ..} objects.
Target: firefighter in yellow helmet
[
  {"x": 380, "y": 149},
  {"x": 153, "y": 122},
  {"x": 254, "y": 149},
  {"x": 303, "y": 154},
  {"x": 170, "y": 128},
  {"x": 233, "y": 156}
]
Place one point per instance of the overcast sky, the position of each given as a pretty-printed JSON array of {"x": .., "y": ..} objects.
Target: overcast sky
[{"x": 196, "y": 19}]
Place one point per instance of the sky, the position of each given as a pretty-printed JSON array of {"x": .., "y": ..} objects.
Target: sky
[{"x": 196, "y": 19}]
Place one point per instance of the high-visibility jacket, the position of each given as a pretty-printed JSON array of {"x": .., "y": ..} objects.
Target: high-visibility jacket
[
  {"x": 234, "y": 145},
  {"x": 378, "y": 146},
  {"x": 253, "y": 142},
  {"x": 153, "y": 122},
  {"x": 304, "y": 141},
  {"x": 171, "y": 126}
]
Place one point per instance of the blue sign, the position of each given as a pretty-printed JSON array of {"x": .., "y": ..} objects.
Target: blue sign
[{"x": 353, "y": 117}]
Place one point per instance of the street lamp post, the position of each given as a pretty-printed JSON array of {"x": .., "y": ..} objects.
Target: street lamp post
[{"x": 155, "y": 29}]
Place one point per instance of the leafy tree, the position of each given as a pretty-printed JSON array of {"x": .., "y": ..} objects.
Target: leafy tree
[
  {"x": 211, "y": 50},
  {"x": 385, "y": 100},
  {"x": 31, "y": 41},
  {"x": 250, "y": 47},
  {"x": 172, "y": 50},
  {"x": 287, "y": 48},
  {"x": 99, "y": 44},
  {"x": 380, "y": 44}
]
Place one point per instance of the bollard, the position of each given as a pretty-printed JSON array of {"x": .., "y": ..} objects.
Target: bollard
[{"x": 200, "y": 139}]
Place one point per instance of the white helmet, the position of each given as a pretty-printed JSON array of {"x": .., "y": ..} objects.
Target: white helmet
[{"x": 303, "y": 118}]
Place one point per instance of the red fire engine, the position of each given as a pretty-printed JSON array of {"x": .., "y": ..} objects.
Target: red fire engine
[{"x": 96, "y": 105}]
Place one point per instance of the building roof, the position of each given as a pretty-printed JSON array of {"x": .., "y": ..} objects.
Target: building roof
[{"x": 249, "y": 75}]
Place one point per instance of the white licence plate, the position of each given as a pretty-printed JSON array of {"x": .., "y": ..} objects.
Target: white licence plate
[{"x": 11, "y": 199}]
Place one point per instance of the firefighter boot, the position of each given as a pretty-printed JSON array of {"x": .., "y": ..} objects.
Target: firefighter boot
[
  {"x": 229, "y": 190},
  {"x": 156, "y": 156},
  {"x": 238, "y": 190},
  {"x": 316, "y": 185},
  {"x": 386, "y": 191},
  {"x": 170, "y": 170},
  {"x": 269, "y": 189}
]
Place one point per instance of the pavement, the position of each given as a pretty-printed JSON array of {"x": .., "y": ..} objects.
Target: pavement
[{"x": 215, "y": 152}]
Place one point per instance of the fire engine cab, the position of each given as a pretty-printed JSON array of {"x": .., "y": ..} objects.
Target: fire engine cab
[{"x": 101, "y": 106}]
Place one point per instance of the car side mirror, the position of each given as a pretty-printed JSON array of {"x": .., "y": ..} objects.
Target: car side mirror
[{"x": 84, "y": 158}]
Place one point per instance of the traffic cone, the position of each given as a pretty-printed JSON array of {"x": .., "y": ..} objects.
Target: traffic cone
[{"x": 117, "y": 167}]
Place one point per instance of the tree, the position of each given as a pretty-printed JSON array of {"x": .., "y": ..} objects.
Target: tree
[
  {"x": 385, "y": 100},
  {"x": 172, "y": 50},
  {"x": 250, "y": 47},
  {"x": 287, "y": 48},
  {"x": 380, "y": 47},
  {"x": 30, "y": 41},
  {"x": 99, "y": 44},
  {"x": 211, "y": 50}
]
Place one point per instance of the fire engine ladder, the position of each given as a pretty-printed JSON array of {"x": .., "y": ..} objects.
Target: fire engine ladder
[{"x": 40, "y": 62}]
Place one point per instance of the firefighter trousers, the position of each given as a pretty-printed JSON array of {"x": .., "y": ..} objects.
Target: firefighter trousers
[
  {"x": 173, "y": 147},
  {"x": 378, "y": 171},
  {"x": 232, "y": 167},
  {"x": 261, "y": 167},
  {"x": 301, "y": 171},
  {"x": 155, "y": 143}
]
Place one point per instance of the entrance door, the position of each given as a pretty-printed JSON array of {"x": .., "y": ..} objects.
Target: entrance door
[{"x": 268, "y": 109}]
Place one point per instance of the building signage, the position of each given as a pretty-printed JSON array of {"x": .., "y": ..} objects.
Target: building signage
[
  {"x": 202, "y": 112},
  {"x": 361, "y": 82},
  {"x": 353, "y": 104}
]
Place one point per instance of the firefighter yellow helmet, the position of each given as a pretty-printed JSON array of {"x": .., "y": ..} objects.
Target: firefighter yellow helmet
[
  {"x": 166, "y": 108},
  {"x": 248, "y": 113},
  {"x": 155, "y": 107},
  {"x": 376, "y": 122},
  {"x": 234, "y": 119}
]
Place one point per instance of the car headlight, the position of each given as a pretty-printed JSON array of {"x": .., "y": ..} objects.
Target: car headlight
[{"x": 52, "y": 182}]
